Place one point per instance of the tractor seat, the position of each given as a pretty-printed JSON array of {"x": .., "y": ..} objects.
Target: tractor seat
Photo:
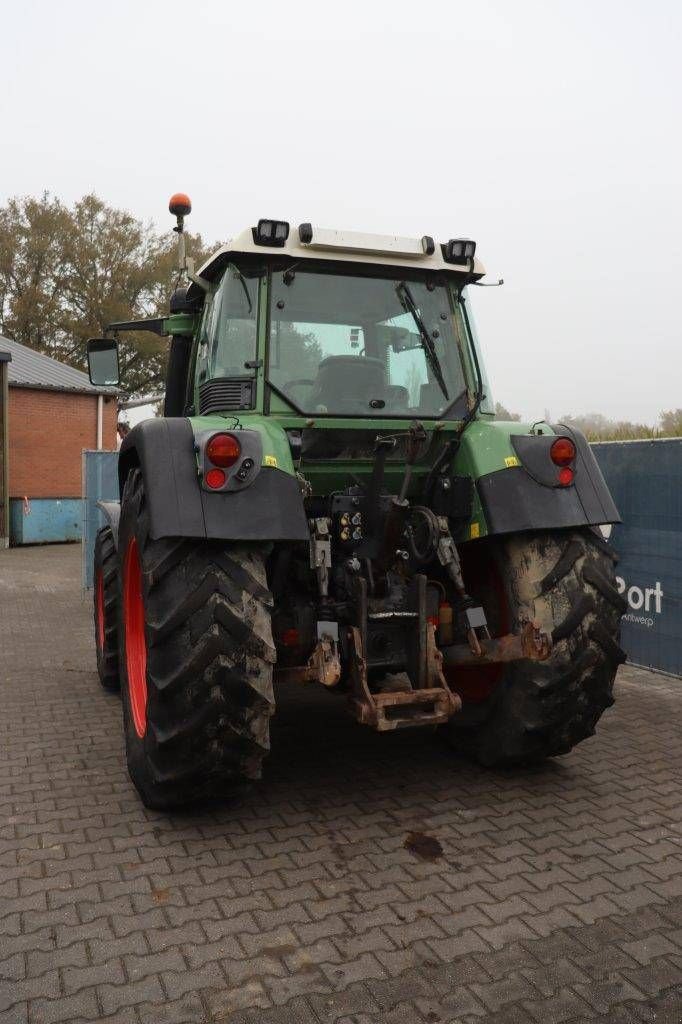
[
  {"x": 397, "y": 398},
  {"x": 348, "y": 383}
]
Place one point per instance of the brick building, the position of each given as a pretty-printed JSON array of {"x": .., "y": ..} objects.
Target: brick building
[{"x": 53, "y": 413}]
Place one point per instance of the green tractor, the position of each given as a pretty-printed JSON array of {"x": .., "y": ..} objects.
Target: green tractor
[{"x": 329, "y": 499}]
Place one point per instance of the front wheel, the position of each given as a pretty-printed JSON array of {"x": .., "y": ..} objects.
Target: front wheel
[
  {"x": 527, "y": 711},
  {"x": 196, "y": 655}
]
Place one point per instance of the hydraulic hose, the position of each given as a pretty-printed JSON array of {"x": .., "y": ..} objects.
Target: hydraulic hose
[{"x": 423, "y": 555}]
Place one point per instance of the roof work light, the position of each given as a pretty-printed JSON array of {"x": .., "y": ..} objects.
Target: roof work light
[
  {"x": 460, "y": 250},
  {"x": 271, "y": 232}
]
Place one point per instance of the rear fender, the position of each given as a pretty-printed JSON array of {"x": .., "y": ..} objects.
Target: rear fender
[
  {"x": 268, "y": 509},
  {"x": 517, "y": 485},
  {"x": 112, "y": 514}
]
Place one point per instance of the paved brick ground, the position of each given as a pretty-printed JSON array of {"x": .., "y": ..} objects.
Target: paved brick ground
[{"x": 558, "y": 895}]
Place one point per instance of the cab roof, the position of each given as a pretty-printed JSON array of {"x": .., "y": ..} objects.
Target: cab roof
[{"x": 344, "y": 247}]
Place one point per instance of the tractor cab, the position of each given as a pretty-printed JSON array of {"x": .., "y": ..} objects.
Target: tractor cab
[{"x": 336, "y": 325}]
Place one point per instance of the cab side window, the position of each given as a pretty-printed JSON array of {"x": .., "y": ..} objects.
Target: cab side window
[{"x": 231, "y": 326}]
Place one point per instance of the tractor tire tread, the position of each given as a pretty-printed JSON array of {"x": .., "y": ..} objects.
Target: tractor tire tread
[
  {"x": 604, "y": 586},
  {"x": 543, "y": 709},
  {"x": 603, "y": 638},
  {"x": 569, "y": 557},
  {"x": 577, "y": 613},
  {"x": 105, "y": 557},
  {"x": 209, "y": 666}
]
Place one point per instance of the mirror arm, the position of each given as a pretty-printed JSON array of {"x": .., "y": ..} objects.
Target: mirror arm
[
  {"x": 153, "y": 324},
  {"x": 134, "y": 403}
]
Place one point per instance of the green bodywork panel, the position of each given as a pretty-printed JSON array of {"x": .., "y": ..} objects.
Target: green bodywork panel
[
  {"x": 485, "y": 448},
  {"x": 181, "y": 323}
]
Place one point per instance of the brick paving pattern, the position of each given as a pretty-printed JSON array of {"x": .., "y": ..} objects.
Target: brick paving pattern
[{"x": 313, "y": 898}]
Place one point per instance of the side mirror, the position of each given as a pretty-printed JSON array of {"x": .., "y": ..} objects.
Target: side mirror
[{"x": 103, "y": 362}]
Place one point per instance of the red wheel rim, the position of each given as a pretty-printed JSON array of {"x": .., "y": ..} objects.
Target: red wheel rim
[
  {"x": 475, "y": 685},
  {"x": 99, "y": 609},
  {"x": 135, "y": 644}
]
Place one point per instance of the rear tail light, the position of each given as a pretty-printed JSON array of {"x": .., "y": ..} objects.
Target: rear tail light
[
  {"x": 215, "y": 478},
  {"x": 562, "y": 454},
  {"x": 562, "y": 451},
  {"x": 223, "y": 450}
]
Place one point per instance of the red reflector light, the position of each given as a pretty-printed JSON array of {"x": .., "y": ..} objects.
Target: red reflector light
[
  {"x": 565, "y": 476},
  {"x": 562, "y": 451},
  {"x": 290, "y": 638},
  {"x": 223, "y": 450},
  {"x": 215, "y": 478}
]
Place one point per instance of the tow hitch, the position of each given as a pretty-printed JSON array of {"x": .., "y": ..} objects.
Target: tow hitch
[
  {"x": 422, "y": 695},
  {"x": 431, "y": 704}
]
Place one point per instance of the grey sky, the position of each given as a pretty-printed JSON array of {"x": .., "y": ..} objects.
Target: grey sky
[{"x": 549, "y": 132}]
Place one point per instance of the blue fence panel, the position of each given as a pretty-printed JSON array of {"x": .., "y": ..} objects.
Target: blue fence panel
[
  {"x": 100, "y": 483},
  {"x": 645, "y": 479}
]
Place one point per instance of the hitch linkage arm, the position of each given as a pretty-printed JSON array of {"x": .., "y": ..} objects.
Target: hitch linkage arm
[{"x": 531, "y": 643}]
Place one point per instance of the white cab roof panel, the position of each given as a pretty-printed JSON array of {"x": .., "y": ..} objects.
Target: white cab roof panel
[{"x": 344, "y": 246}]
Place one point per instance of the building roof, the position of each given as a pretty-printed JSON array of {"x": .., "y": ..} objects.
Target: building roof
[{"x": 31, "y": 369}]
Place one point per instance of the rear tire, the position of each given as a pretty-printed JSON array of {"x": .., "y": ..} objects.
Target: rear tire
[
  {"x": 197, "y": 658},
  {"x": 565, "y": 580},
  {"x": 105, "y": 586}
]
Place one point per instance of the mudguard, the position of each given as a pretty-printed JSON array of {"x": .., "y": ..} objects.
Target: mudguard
[
  {"x": 112, "y": 514},
  {"x": 270, "y": 509},
  {"x": 527, "y": 496}
]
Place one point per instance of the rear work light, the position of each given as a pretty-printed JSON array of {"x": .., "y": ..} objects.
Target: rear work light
[
  {"x": 222, "y": 450},
  {"x": 460, "y": 250},
  {"x": 271, "y": 232},
  {"x": 562, "y": 451}
]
